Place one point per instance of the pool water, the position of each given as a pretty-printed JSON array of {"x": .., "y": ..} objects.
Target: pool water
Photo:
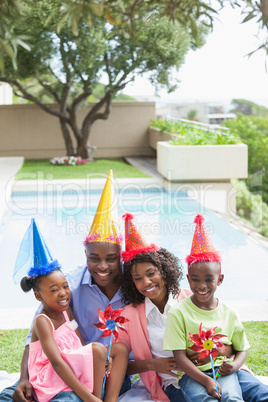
[{"x": 164, "y": 217}]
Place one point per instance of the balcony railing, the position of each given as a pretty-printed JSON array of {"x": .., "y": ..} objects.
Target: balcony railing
[{"x": 214, "y": 128}]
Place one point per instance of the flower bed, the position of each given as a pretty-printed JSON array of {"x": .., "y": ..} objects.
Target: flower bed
[{"x": 68, "y": 160}]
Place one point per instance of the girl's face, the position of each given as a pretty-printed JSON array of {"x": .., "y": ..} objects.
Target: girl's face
[
  {"x": 149, "y": 281},
  {"x": 53, "y": 291}
]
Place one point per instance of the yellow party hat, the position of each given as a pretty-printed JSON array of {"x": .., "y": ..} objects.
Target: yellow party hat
[{"x": 105, "y": 226}]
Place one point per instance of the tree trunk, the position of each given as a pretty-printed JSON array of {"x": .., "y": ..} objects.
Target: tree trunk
[
  {"x": 67, "y": 138},
  {"x": 82, "y": 150}
]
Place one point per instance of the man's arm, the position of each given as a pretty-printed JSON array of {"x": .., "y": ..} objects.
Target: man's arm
[
  {"x": 166, "y": 365},
  {"x": 23, "y": 391}
]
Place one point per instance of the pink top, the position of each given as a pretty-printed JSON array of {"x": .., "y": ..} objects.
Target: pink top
[
  {"x": 43, "y": 377},
  {"x": 137, "y": 341}
]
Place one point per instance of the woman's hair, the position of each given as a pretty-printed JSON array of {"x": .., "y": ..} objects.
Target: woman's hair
[
  {"x": 168, "y": 265},
  {"x": 27, "y": 283}
]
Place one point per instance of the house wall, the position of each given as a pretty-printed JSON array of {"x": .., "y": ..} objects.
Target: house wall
[{"x": 26, "y": 130}]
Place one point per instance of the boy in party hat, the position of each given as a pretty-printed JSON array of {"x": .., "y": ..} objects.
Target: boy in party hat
[
  {"x": 201, "y": 320},
  {"x": 93, "y": 286}
]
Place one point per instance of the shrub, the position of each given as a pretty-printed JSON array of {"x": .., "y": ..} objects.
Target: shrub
[
  {"x": 189, "y": 134},
  {"x": 250, "y": 207}
]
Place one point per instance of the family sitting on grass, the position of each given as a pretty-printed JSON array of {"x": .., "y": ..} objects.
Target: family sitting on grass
[{"x": 186, "y": 345}]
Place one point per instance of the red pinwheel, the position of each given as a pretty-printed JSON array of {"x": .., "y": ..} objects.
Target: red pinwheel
[
  {"x": 110, "y": 321},
  {"x": 204, "y": 342}
]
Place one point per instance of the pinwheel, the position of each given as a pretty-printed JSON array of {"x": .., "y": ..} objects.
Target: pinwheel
[
  {"x": 110, "y": 321},
  {"x": 206, "y": 342}
]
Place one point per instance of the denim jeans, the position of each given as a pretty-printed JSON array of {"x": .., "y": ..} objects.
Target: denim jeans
[
  {"x": 194, "y": 391},
  {"x": 253, "y": 390},
  {"x": 6, "y": 394},
  {"x": 174, "y": 394}
]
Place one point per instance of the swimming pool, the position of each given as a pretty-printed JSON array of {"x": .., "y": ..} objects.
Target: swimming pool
[{"x": 164, "y": 217}]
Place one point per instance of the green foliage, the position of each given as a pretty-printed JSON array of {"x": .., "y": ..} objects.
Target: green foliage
[
  {"x": 251, "y": 208},
  {"x": 34, "y": 170},
  {"x": 10, "y": 40},
  {"x": 124, "y": 98},
  {"x": 257, "y": 10},
  {"x": 124, "y": 15},
  {"x": 249, "y": 108},
  {"x": 189, "y": 134},
  {"x": 253, "y": 131}
]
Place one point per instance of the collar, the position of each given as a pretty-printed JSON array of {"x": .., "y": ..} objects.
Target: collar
[
  {"x": 150, "y": 306},
  {"x": 87, "y": 278}
]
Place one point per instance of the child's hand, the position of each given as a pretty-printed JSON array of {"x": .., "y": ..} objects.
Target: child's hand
[
  {"x": 211, "y": 388},
  {"x": 108, "y": 366},
  {"x": 228, "y": 367}
]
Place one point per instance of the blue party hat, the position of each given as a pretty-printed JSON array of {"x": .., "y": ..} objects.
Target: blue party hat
[{"x": 34, "y": 258}]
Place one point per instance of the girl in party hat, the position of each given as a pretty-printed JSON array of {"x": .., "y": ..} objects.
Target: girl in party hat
[
  {"x": 202, "y": 323},
  {"x": 59, "y": 360}
]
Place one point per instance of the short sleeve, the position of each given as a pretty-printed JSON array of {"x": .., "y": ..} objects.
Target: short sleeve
[
  {"x": 239, "y": 338},
  {"x": 175, "y": 331}
]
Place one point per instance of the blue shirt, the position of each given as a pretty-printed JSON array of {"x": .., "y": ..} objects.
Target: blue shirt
[{"x": 85, "y": 301}]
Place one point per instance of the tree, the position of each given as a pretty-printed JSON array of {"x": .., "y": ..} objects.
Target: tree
[
  {"x": 68, "y": 66},
  {"x": 249, "y": 108},
  {"x": 186, "y": 12},
  {"x": 253, "y": 132},
  {"x": 9, "y": 40}
]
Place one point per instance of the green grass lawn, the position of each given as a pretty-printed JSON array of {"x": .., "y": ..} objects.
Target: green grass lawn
[
  {"x": 12, "y": 344},
  {"x": 42, "y": 169}
]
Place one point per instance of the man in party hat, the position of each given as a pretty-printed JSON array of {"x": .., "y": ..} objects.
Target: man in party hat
[
  {"x": 207, "y": 318},
  {"x": 34, "y": 258},
  {"x": 103, "y": 246},
  {"x": 93, "y": 286}
]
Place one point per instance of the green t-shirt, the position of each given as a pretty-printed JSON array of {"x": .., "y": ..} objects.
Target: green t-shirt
[{"x": 186, "y": 317}]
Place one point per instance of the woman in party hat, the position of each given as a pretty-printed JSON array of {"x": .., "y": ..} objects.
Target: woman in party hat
[
  {"x": 93, "y": 286},
  {"x": 150, "y": 286},
  {"x": 202, "y": 323},
  {"x": 59, "y": 360}
]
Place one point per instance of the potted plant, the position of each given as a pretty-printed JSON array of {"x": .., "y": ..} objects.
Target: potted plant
[{"x": 197, "y": 154}]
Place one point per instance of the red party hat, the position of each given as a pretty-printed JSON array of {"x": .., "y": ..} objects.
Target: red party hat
[
  {"x": 135, "y": 243},
  {"x": 202, "y": 246}
]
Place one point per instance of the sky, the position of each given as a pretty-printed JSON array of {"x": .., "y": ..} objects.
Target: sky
[{"x": 220, "y": 70}]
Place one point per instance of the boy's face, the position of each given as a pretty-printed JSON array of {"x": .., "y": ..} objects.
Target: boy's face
[
  {"x": 103, "y": 262},
  {"x": 203, "y": 278}
]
